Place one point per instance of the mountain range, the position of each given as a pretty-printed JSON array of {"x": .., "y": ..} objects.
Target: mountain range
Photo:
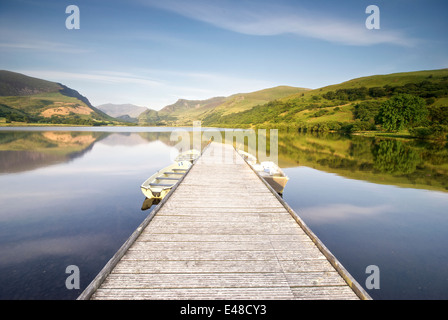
[
  {"x": 184, "y": 112},
  {"x": 353, "y": 104},
  {"x": 125, "y": 112}
]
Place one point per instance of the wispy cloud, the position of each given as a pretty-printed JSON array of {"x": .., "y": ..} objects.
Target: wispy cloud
[
  {"x": 99, "y": 76},
  {"x": 20, "y": 39},
  {"x": 263, "y": 19},
  {"x": 339, "y": 211},
  {"x": 45, "y": 46}
]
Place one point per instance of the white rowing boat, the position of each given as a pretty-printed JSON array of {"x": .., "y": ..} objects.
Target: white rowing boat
[
  {"x": 268, "y": 170},
  {"x": 160, "y": 183},
  {"x": 273, "y": 175}
]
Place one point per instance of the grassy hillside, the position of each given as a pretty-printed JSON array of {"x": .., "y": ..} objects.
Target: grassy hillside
[
  {"x": 149, "y": 118},
  {"x": 242, "y": 102},
  {"x": 16, "y": 84},
  {"x": 184, "y": 112},
  {"x": 351, "y": 105},
  {"x": 31, "y": 100}
]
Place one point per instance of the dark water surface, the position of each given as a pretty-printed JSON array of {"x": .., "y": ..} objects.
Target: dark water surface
[{"x": 72, "y": 197}]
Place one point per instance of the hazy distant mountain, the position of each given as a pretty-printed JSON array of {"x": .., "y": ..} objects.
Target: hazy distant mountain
[{"x": 118, "y": 110}]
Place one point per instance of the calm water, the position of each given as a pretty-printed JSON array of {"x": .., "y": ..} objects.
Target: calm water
[{"x": 73, "y": 198}]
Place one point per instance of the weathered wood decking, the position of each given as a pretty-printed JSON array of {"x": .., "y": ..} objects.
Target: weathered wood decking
[{"x": 223, "y": 234}]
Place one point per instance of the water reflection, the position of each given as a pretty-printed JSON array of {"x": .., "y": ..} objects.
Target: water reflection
[
  {"x": 405, "y": 163},
  {"x": 149, "y": 202},
  {"x": 82, "y": 201},
  {"x": 23, "y": 151},
  {"x": 76, "y": 207},
  {"x": 29, "y": 150}
]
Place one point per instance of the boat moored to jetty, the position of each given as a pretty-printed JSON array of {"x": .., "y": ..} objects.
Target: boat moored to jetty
[
  {"x": 273, "y": 175},
  {"x": 160, "y": 183},
  {"x": 268, "y": 170}
]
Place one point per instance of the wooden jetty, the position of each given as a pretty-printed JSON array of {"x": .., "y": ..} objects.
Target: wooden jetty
[{"x": 223, "y": 233}]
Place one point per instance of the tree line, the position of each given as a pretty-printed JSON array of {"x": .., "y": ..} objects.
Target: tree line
[
  {"x": 54, "y": 119},
  {"x": 424, "y": 89}
]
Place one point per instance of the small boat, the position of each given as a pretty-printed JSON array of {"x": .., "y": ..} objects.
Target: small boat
[
  {"x": 273, "y": 175},
  {"x": 250, "y": 158},
  {"x": 160, "y": 183},
  {"x": 268, "y": 170},
  {"x": 189, "y": 155}
]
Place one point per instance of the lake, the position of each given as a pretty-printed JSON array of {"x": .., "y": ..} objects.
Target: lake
[{"x": 71, "y": 196}]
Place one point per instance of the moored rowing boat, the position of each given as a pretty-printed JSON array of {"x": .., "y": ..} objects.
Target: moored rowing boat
[
  {"x": 160, "y": 183},
  {"x": 268, "y": 170}
]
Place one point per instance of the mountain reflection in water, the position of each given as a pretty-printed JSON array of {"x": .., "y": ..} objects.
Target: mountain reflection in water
[{"x": 404, "y": 163}]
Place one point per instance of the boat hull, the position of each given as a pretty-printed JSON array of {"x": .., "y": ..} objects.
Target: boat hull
[
  {"x": 159, "y": 184},
  {"x": 277, "y": 183}
]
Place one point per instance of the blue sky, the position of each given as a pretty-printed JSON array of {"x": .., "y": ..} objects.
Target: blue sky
[{"x": 153, "y": 52}]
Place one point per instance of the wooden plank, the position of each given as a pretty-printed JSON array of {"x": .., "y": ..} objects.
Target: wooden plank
[
  {"x": 223, "y": 224},
  {"x": 228, "y": 230},
  {"x": 203, "y": 245},
  {"x": 268, "y": 293},
  {"x": 226, "y": 280},
  {"x": 138, "y": 253},
  {"x": 210, "y": 266},
  {"x": 201, "y": 280},
  {"x": 324, "y": 293},
  {"x": 315, "y": 279},
  {"x": 221, "y": 211},
  {"x": 215, "y": 255},
  {"x": 159, "y": 237}
]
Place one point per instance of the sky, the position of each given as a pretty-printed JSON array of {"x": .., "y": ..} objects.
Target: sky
[{"x": 153, "y": 52}]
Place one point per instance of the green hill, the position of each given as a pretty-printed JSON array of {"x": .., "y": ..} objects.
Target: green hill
[
  {"x": 184, "y": 112},
  {"x": 149, "y": 118},
  {"x": 33, "y": 100},
  {"x": 351, "y": 105}
]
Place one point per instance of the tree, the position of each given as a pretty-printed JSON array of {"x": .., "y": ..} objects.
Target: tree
[
  {"x": 395, "y": 157},
  {"x": 402, "y": 111}
]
